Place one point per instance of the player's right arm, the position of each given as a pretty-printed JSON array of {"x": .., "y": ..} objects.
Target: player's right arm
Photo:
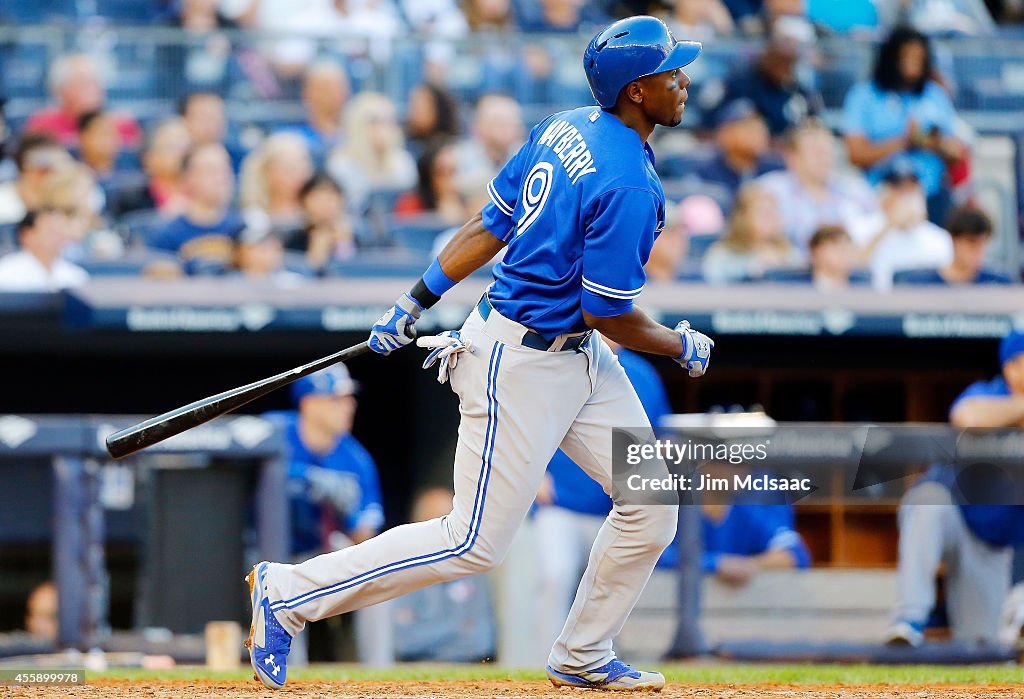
[
  {"x": 978, "y": 412},
  {"x": 622, "y": 224}
]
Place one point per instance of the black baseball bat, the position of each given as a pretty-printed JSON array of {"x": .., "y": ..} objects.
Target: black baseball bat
[{"x": 157, "y": 429}]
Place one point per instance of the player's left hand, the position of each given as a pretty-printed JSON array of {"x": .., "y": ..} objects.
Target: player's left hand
[
  {"x": 396, "y": 328},
  {"x": 696, "y": 349},
  {"x": 445, "y": 348}
]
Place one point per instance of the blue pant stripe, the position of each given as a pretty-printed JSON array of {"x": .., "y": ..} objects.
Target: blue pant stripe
[{"x": 475, "y": 519}]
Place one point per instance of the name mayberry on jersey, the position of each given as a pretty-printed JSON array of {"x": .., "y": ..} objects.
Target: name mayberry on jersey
[
  {"x": 580, "y": 206},
  {"x": 560, "y": 135}
]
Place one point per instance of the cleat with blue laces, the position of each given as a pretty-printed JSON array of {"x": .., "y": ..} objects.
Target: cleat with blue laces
[{"x": 612, "y": 676}]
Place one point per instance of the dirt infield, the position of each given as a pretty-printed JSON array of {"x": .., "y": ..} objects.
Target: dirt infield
[{"x": 494, "y": 689}]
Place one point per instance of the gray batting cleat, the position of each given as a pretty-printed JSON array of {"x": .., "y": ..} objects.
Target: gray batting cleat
[{"x": 612, "y": 676}]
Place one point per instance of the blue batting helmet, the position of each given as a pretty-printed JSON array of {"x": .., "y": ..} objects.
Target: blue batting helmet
[{"x": 629, "y": 49}]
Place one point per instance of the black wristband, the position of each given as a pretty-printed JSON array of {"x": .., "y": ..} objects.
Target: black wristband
[{"x": 423, "y": 296}]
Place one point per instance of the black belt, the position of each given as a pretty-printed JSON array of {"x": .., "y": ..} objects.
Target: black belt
[{"x": 532, "y": 339}]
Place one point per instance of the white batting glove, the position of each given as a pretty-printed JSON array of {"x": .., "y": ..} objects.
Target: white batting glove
[
  {"x": 446, "y": 348},
  {"x": 696, "y": 349}
]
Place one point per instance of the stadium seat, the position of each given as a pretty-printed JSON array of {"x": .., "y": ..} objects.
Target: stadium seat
[
  {"x": 381, "y": 263},
  {"x": 416, "y": 233},
  {"x": 131, "y": 265},
  {"x": 126, "y": 11},
  {"x": 699, "y": 245}
]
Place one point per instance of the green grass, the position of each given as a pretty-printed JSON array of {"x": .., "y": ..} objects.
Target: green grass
[{"x": 679, "y": 674}]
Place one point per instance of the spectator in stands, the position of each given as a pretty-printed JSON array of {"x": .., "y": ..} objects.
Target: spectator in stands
[
  {"x": 810, "y": 192},
  {"x": 38, "y": 265},
  {"x": 205, "y": 116},
  {"x": 437, "y": 193},
  {"x": 329, "y": 233},
  {"x": 571, "y": 507},
  {"x": 973, "y": 537},
  {"x": 771, "y": 81},
  {"x": 754, "y": 241},
  {"x": 164, "y": 151},
  {"x": 35, "y": 156},
  {"x": 742, "y": 144},
  {"x": 849, "y": 16},
  {"x": 100, "y": 150},
  {"x": 100, "y": 143},
  {"x": 971, "y": 232},
  {"x": 833, "y": 258},
  {"x": 272, "y": 177},
  {"x": 259, "y": 257},
  {"x": 325, "y": 91},
  {"x": 72, "y": 189},
  {"x": 497, "y": 133},
  {"x": 746, "y": 15},
  {"x": 203, "y": 61},
  {"x": 452, "y": 622},
  {"x": 333, "y": 486},
  {"x": 946, "y": 17},
  {"x": 699, "y": 20},
  {"x": 904, "y": 237},
  {"x": 432, "y": 112},
  {"x": 204, "y": 234},
  {"x": 373, "y": 158},
  {"x": 363, "y": 28},
  {"x": 76, "y": 83},
  {"x": 697, "y": 215},
  {"x": 41, "y": 612},
  {"x": 904, "y": 113},
  {"x": 442, "y": 24},
  {"x": 487, "y": 15},
  {"x": 562, "y": 16}
]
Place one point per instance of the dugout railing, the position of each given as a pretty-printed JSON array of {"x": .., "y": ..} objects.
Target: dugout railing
[{"x": 74, "y": 445}]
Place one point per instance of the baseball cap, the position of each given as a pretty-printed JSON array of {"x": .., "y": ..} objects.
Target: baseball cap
[
  {"x": 333, "y": 381},
  {"x": 900, "y": 170},
  {"x": 1011, "y": 346},
  {"x": 735, "y": 110}
]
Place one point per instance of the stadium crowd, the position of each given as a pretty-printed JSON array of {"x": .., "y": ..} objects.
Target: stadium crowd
[{"x": 762, "y": 188}]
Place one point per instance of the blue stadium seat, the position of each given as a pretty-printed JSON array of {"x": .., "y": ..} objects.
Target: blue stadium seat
[
  {"x": 131, "y": 265},
  {"x": 416, "y": 234},
  {"x": 37, "y": 11},
  {"x": 381, "y": 263},
  {"x": 24, "y": 72},
  {"x": 788, "y": 276},
  {"x": 127, "y": 11},
  {"x": 699, "y": 245}
]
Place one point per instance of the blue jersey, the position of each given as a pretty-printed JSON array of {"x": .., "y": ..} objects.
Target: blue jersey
[
  {"x": 311, "y": 520},
  {"x": 574, "y": 489},
  {"x": 998, "y": 525},
  {"x": 748, "y": 529},
  {"x": 579, "y": 206}
]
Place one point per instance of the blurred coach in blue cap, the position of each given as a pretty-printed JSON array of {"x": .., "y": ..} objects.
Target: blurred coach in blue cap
[
  {"x": 333, "y": 487},
  {"x": 973, "y": 539},
  {"x": 335, "y": 501}
]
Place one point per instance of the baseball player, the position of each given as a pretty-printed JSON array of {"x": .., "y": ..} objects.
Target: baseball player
[{"x": 578, "y": 207}]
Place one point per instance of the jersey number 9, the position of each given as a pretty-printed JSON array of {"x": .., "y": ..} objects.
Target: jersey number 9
[{"x": 535, "y": 195}]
